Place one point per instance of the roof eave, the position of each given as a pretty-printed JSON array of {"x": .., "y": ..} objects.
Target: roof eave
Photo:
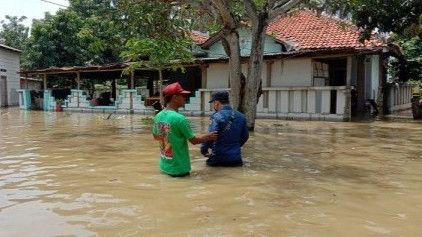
[{"x": 10, "y": 48}]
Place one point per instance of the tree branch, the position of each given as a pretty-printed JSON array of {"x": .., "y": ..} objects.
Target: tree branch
[
  {"x": 223, "y": 8},
  {"x": 281, "y": 9},
  {"x": 251, "y": 9}
]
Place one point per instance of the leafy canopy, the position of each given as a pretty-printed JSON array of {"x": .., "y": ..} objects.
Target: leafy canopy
[{"x": 13, "y": 33}]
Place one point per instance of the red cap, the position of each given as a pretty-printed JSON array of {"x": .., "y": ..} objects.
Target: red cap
[{"x": 174, "y": 89}]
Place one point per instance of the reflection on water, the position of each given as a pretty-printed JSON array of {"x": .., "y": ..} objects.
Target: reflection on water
[{"x": 70, "y": 174}]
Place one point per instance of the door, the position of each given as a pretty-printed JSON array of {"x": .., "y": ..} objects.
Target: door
[{"x": 3, "y": 91}]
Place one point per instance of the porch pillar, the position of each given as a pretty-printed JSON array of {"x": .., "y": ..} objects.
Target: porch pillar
[
  {"x": 45, "y": 82},
  {"x": 348, "y": 93},
  {"x": 78, "y": 82},
  {"x": 382, "y": 81},
  {"x": 132, "y": 80},
  {"x": 204, "y": 78},
  {"x": 26, "y": 81},
  {"x": 132, "y": 86},
  {"x": 269, "y": 73}
]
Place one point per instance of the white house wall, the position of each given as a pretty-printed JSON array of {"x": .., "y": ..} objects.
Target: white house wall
[
  {"x": 284, "y": 73},
  {"x": 218, "y": 75},
  {"x": 375, "y": 76},
  {"x": 9, "y": 60},
  {"x": 292, "y": 72}
]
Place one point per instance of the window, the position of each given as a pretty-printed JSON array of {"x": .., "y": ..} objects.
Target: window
[{"x": 320, "y": 74}]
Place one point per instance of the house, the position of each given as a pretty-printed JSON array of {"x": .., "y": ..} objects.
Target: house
[
  {"x": 9, "y": 75},
  {"x": 315, "y": 68}
]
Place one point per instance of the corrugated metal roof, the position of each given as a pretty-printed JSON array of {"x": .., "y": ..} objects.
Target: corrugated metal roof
[{"x": 10, "y": 48}]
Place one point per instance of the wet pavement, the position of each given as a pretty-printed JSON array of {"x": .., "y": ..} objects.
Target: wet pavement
[{"x": 75, "y": 174}]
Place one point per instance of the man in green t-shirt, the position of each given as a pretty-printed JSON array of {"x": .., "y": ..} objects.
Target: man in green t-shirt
[{"x": 172, "y": 130}]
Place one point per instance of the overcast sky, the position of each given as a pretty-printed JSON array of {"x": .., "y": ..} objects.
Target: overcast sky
[{"x": 32, "y": 9}]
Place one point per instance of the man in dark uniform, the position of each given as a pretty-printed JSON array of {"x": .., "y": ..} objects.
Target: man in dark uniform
[{"x": 232, "y": 133}]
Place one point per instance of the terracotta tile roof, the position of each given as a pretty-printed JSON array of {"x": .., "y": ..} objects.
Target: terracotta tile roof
[
  {"x": 198, "y": 38},
  {"x": 305, "y": 30}
]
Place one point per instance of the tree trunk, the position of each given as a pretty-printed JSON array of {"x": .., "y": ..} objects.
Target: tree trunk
[
  {"x": 232, "y": 47},
  {"x": 253, "y": 80}
]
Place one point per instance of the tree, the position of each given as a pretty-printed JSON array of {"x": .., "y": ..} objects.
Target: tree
[
  {"x": 245, "y": 91},
  {"x": 54, "y": 42},
  {"x": 402, "y": 20},
  {"x": 87, "y": 32},
  {"x": 13, "y": 33},
  {"x": 162, "y": 41}
]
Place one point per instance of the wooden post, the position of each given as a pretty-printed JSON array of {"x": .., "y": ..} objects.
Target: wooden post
[
  {"x": 382, "y": 81},
  {"x": 78, "y": 81},
  {"x": 132, "y": 86},
  {"x": 204, "y": 79},
  {"x": 45, "y": 81},
  {"x": 348, "y": 96},
  {"x": 26, "y": 81},
  {"x": 132, "y": 80}
]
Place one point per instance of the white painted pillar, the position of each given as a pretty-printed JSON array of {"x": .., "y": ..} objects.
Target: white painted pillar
[
  {"x": 341, "y": 102},
  {"x": 297, "y": 101},
  {"x": 272, "y": 101},
  {"x": 311, "y": 100},
  {"x": 326, "y": 102},
  {"x": 284, "y": 102},
  {"x": 207, "y": 97}
]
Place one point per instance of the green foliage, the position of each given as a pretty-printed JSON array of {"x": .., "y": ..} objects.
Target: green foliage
[
  {"x": 13, "y": 33},
  {"x": 158, "y": 53},
  {"x": 409, "y": 67},
  {"x": 86, "y": 32},
  {"x": 403, "y": 18},
  {"x": 54, "y": 42},
  {"x": 158, "y": 34}
]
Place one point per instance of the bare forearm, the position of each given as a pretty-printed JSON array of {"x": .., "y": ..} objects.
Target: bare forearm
[
  {"x": 203, "y": 138},
  {"x": 199, "y": 139}
]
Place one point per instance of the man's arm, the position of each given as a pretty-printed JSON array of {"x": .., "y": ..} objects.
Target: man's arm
[
  {"x": 187, "y": 132},
  {"x": 212, "y": 136}
]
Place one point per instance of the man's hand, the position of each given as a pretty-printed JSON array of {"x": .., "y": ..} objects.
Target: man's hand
[{"x": 212, "y": 136}]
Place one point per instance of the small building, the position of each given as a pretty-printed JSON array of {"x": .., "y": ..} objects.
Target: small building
[{"x": 9, "y": 75}]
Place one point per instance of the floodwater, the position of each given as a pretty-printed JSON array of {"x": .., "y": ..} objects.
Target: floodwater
[{"x": 75, "y": 174}]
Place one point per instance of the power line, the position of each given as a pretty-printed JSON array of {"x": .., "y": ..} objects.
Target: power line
[{"x": 54, "y": 3}]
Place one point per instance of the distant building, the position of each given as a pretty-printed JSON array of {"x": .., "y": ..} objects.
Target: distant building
[{"x": 9, "y": 75}]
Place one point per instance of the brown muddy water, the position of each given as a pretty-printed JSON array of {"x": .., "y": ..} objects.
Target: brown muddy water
[{"x": 74, "y": 174}]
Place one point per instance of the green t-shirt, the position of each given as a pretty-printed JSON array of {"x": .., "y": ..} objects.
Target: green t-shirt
[{"x": 173, "y": 131}]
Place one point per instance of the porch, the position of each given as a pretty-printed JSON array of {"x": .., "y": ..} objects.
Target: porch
[{"x": 298, "y": 103}]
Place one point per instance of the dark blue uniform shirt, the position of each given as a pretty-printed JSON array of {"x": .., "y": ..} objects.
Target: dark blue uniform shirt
[{"x": 232, "y": 134}]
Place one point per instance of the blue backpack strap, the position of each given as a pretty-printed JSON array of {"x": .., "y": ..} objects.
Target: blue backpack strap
[{"x": 230, "y": 122}]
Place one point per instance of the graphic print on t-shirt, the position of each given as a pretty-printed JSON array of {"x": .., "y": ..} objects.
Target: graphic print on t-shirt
[{"x": 165, "y": 146}]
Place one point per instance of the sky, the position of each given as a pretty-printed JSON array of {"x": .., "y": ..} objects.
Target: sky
[{"x": 32, "y": 9}]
